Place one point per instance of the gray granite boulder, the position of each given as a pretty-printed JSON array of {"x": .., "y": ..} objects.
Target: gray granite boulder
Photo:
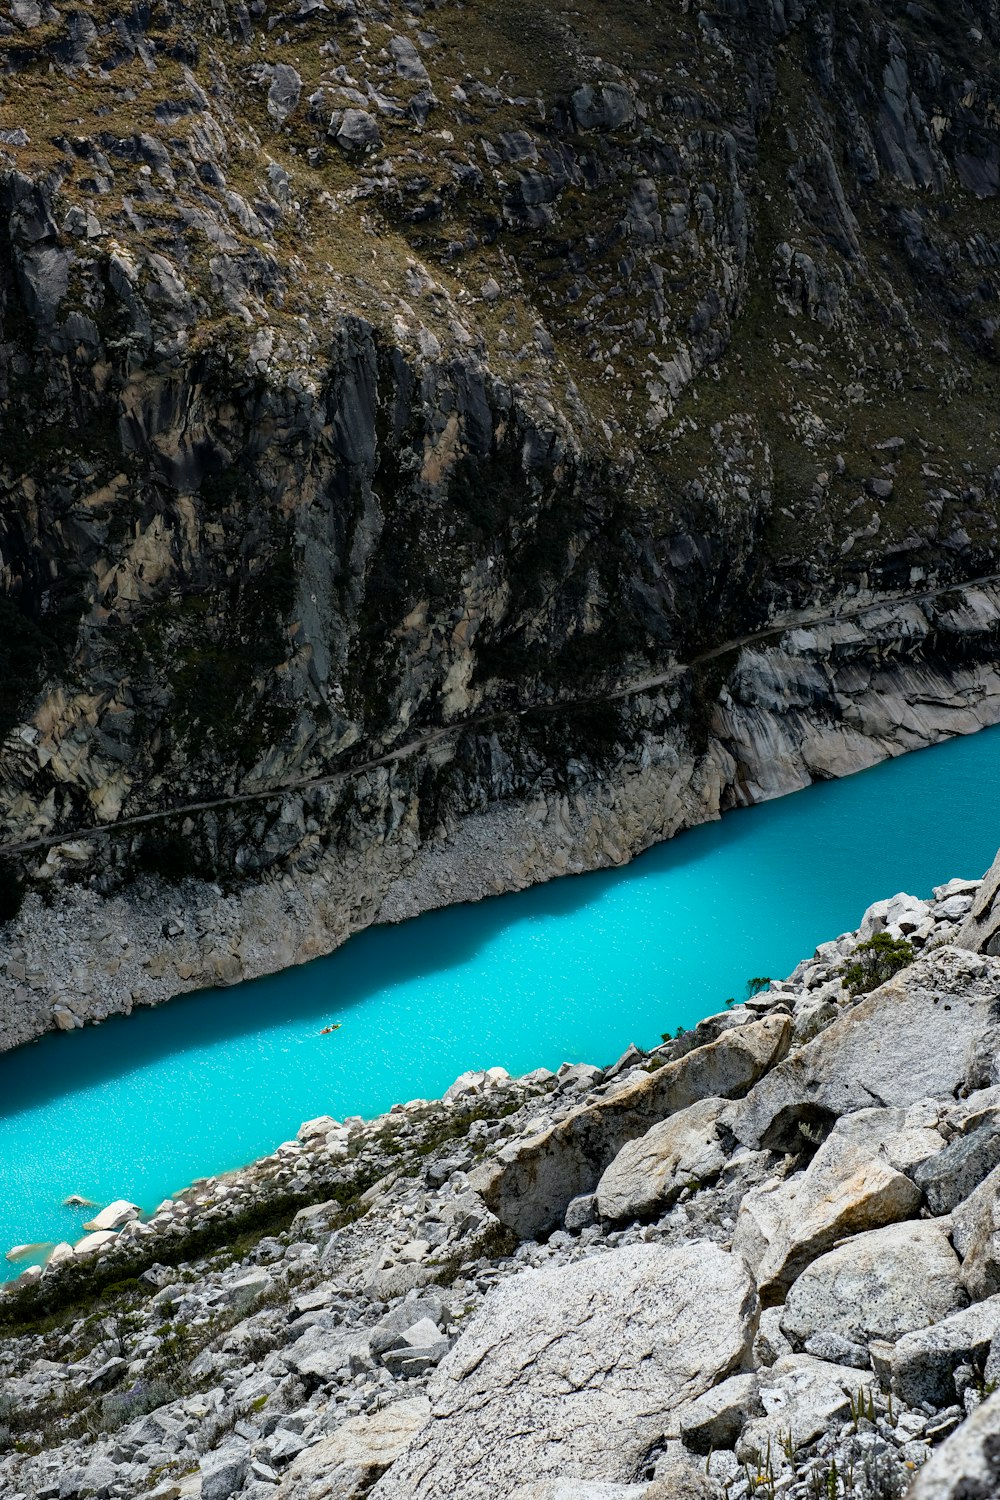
[
  {"x": 386, "y": 1333},
  {"x": 882, "y": 1284},
  {"x": 802, "y": 1397},
  {"x": 647, "y": 1174},
  {"x": 716, "y": 1419},
  {"x": 976, "y": 1237},
  {"x": 850, "y": 1186},
  {"x": 580, "y": 1489},
  {"x": 948, "y": 1178},
  {"x": 223, "y": 1471},
  {"x": 576, "y": 1373},
  {"x": 921, "y": 1365},
  {"x": 533, "y": 1181},
  {"x": 320, "y": 1355},
  {"x": 967, "y": 1465},
  {"x": 911, "y": 1039},
  {"x": 283, "y": 93},
  {"x": 345, "y": 1465},
  {"x": 357, "y": 131},
  {"x": 680, "y": 1481}
]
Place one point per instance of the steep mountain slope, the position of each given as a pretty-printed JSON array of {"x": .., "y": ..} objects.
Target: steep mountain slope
[{"x": 369, "y": 371}]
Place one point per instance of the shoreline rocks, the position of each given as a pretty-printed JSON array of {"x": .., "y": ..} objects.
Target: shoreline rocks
[
  {"x": 601, "y": 1282},
  {"x": 533, "y": 1182}
]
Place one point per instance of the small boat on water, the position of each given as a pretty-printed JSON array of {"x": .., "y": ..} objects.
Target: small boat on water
[{"x": 335, "y": 1027}]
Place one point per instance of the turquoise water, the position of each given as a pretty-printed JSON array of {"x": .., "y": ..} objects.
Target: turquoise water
[{"x": 574, "y": 970}]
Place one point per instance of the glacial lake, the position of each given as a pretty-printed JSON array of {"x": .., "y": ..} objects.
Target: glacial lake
[{"x": 570, "y": 971}]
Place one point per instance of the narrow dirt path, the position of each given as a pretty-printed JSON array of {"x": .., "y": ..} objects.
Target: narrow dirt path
[{"x": 801, "y": 619}]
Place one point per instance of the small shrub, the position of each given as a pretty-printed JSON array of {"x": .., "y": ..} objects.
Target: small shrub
[
  {"x": 177, "y": 1348},
  {"x": 121, "y": 1407},
  {"x": 757, "y": 985},
  {"x": 874, "y": 962},
  {"x": 121, "y": 1323}
]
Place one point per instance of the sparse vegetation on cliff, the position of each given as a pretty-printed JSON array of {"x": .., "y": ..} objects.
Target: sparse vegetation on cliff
[{"x": 876, "y": 961}]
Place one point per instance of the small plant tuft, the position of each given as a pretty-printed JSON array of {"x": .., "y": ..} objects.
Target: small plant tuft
[{"x": 875, "y": 962}]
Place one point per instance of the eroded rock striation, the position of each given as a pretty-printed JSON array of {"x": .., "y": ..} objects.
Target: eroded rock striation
[
  {"x": 413, "y": 1306},
  {"x": 573, "y": 1373},
  {"x": 444, "y": 446}
]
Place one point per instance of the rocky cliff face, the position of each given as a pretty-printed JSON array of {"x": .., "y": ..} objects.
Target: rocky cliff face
[{"x": 447, "y": 392}]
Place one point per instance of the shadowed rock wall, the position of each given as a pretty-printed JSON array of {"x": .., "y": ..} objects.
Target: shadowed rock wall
[{"x": 383, "y": 376}]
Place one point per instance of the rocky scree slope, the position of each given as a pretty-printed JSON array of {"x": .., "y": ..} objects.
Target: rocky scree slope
[
  {"x": 763, "y": 1259},
  {"x": 442, "y": 383}
]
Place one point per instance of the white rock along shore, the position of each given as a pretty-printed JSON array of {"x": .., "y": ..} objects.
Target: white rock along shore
[{"x": 763, "y": 1259}]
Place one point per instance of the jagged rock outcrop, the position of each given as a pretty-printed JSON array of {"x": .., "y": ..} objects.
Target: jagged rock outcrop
[
  {"x": 383, "y": 450},
  {"x": 908, "y": 1041},
  {"x": 981, "y": 931}
]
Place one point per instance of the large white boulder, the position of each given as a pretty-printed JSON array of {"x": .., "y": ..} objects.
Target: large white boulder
[
  {"x": 317, "y": 1129},
  {"x": 647, "y": 1174},
  {"x": 91, "y": 1243},
  {"x": 114, "y": 1216},
  {"x": 851, "y": 1185},
  {"x": 575, "y": 1373},
  {"x": 470, "y": 1085}
]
